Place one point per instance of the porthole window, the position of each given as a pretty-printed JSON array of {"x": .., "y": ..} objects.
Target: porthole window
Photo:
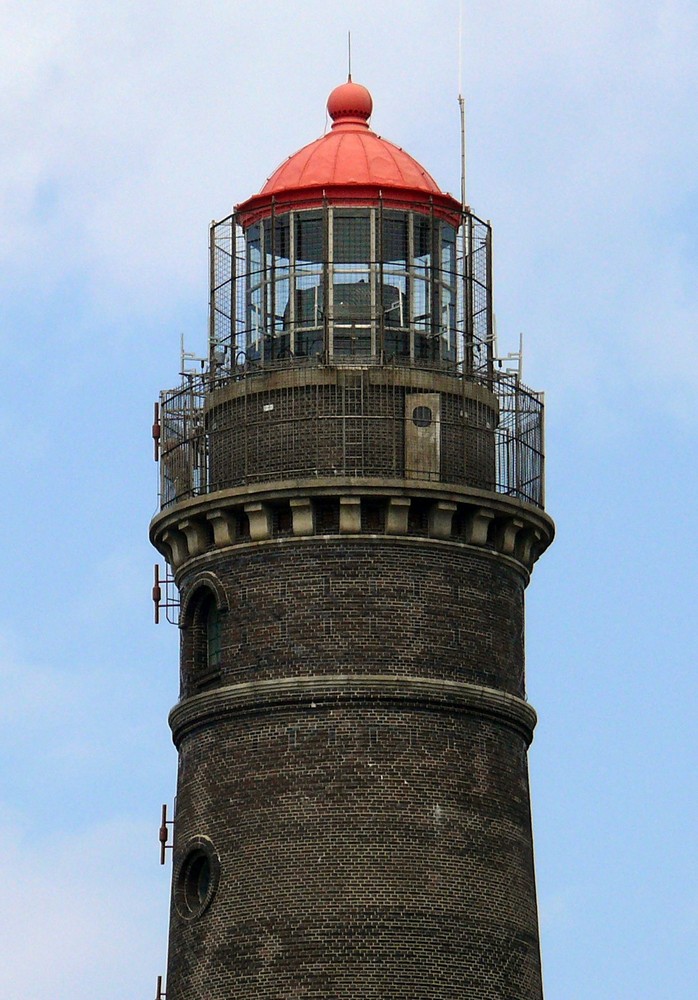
[
  {"x": 197, "y": 879},
  {"x": 421, "y": 416}
]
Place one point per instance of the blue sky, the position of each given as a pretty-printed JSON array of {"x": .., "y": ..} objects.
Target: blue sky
[{"x": 125, "y": 129}]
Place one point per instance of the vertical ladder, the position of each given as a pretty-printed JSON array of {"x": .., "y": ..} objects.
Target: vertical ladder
[{"x": 353, "y": 419}]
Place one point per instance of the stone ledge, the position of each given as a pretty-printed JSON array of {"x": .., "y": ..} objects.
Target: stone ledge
[
  {"x": 407, "y": 376},
  {"x": 498, "y": 523},
  {"x": 317, "y": 692}
]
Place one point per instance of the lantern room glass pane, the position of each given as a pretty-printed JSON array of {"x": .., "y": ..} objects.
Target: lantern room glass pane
[
  {"x": 277, "y": 284},
  {"x": 352, "y": 237},
  {"x": 422, "y": 239},
  {"x": 281, "y": 238},
  {"x": 448, "y": 292},
  {"x": 308, "y": 269},
  {"x": 448, "y": 252},
  {"x": 394, "y": 256},
  {"x": 353, "y": 283},
  {"x": 255, "y": 303},
  {"x": 309, "y": 237},
  {"x": 352, "y": 301},
  {"x": 394, "y": 305},
  {"x": 395, "y": 238}
]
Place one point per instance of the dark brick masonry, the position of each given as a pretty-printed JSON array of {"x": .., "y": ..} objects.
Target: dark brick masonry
[
  {"x": 339, "y": 423},
  {"x": 369, "y": 853},
  {"x": 387, "y": 606},
  {"x": 365, "y": 847}
]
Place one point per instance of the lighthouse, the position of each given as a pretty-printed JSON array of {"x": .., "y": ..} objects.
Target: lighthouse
[{"x": 351, "y": 505}]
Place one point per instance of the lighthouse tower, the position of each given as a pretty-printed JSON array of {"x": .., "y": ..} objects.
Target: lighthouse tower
[{"x": 351, "y": 505}]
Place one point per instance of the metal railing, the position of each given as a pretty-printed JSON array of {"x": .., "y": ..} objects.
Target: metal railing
[{"x": 340, "y": 420}]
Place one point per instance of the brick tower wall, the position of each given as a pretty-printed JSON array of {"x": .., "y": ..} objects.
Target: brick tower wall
[
  {"x": 346, "y": 423},
  {"x": 328, "y": 605},
  {"x": 365, "y": 852},
  {"x": 368, "y": 845}
]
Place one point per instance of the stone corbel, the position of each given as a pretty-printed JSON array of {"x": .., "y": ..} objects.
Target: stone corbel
[
  {"x": 441, "y": 519},
  {"x": 396, "y": 522},
  {"x": 176, "y": 542},
  {"x": 302, "y": 515},
  {"x": 223, "y": 524},
  {"x": 477, "y": 526},
  {"x": 506, "y": 535},
  {"x": 197, "y": 535},
  {"x": 527, "y": 546},
  {"x": 259, "y": 516},
  {"x": 350, "y": 515}
]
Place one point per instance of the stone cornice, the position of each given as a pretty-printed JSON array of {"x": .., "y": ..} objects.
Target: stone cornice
[
  {"x": 312, "y": 693},
  {"x": 498, "y": 523}
]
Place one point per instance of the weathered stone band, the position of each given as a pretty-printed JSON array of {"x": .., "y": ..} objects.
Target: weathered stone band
[
  {"x": 492, "y": 521},
  {"x": 315, "y": 692}
]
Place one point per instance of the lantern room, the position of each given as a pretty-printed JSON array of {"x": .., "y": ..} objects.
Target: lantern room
[{"x": 350, "y": 251}]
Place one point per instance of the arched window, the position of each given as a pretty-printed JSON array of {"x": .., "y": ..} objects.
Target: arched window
[
  {"x": 213, "y": 637},
  {"x": 202, "y": 659}
]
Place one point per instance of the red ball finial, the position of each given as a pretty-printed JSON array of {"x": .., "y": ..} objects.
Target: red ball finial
[{"x": 350, "y": 102}]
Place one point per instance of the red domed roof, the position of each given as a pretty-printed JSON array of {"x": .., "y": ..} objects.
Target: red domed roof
[{"x": 350, "y": 164}]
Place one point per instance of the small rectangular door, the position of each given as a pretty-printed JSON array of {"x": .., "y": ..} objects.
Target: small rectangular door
[{"x": 423, "y": 435}]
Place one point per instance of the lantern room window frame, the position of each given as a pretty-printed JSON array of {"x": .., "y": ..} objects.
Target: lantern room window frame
[
  {"x": 416, "y": 288},
  {"x": 293, "y": 300}
]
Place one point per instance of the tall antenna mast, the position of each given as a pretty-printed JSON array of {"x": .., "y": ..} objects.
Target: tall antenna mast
[
  {"x": 349, "y": 54},
  {"x": 461, "y": 105}
]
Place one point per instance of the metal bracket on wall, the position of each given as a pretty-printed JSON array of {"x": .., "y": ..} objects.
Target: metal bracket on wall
[
  {"x": 159, "y": 994},
  {"x": 516, "y": 359},
  {"x": 156, "y": 431},
  {"x": 164, "y": 835},
  {"x": 171, "y": 598}
]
